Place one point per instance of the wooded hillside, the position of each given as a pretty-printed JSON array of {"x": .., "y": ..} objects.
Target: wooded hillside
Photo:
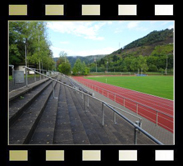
[{"x": 153, "y": 52}]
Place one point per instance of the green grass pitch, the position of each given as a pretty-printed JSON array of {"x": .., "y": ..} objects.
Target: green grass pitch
[{"x": 161, "y": 86}]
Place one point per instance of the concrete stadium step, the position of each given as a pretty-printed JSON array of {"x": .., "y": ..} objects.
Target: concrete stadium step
[
  {"x": 78, "y": 131},
  {"x": 17, "y": 105},
  {"x": 21, "y": 131},
  {"x": 93, "y": 127},
  {"x": 65, "y": 80},
  {"x": 22, "y": 90},
  {"x": 86, "y": 121},
  {"x": 122, "y": 132},
  {"x": 44, "y": 131},
  {"x": 63, "y": 131},
  {"x": 155, "y": 131},
  {"x": 66, "y": 120},
  {"x": 95, "y": 116}
]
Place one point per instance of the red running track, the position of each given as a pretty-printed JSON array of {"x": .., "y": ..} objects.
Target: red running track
[{"x": 156, "y": 109}]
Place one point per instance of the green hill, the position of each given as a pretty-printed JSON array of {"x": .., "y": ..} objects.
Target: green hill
[
  {"x": 87, "y": 59},
  {"x": 151, "y": 53},
  {"x": 155, "y": 37},
  {"x": 145, "y": 45}
]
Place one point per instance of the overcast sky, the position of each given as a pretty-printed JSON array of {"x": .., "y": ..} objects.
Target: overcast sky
[{"x": 98, "y": 37}]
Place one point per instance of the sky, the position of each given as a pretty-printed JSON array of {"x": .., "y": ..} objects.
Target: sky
[{"x": 82, "y": 38}]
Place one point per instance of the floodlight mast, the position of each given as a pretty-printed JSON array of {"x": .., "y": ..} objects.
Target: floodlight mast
[
  {"x": 26, "y": 80},
  {"x": 166, "y": 64}
]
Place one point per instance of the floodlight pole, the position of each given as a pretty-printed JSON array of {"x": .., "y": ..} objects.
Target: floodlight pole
[
  {"x": 107, "y": 66},
  {"x": 40, "y": 69},
  {"x": 26, "y": 80},
  {"x": 166, "y": 64}
]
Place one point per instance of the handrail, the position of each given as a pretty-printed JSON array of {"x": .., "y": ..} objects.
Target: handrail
[
  {"x": 135, "y": 126},
  {"x": 134, "y": 101},
  {"x": 118, "y": 107},
  {"x": 78, "y": 85},
  {"x": 12, "y": 68},
  {"x": 126, "y": 112}
]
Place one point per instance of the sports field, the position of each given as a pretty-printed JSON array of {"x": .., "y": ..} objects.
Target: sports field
[{"x": 161, "y": 86}]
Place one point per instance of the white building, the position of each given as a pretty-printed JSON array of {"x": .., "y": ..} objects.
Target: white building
[{"x": 21, "y": 68}]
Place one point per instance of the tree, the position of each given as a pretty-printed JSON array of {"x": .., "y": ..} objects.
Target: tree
[
  {"x": 126, "y": 63},
  {"x": 80, "y": 68},
  {"x": 63, "y": 64},
  {"x": 62, "y": 58},
  {"x": 33, "y": 35},
  {"x": 152, "y": 60},
  {"x": 85, "y": 70},
  {"x": 142, "y": 63},
  {"x": 64, "y": 68},
  {"x": 77, "y": 69},
  {"x": 115, "y": 58},
  {"x": 152, "y": 67},
  {"x": 16, "y": 45},
  {"x": 134, "y": 64}
]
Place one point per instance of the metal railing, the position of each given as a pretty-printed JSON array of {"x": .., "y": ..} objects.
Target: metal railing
[
  {"x": 26, "y": 74},
  {"x": 12, "y": 68},
  {"x": 137, "y": 107},
  {"x": 74, "y": 83},
  {"x": 135, "y": 125},
  {"x": 140, "y": 119}
]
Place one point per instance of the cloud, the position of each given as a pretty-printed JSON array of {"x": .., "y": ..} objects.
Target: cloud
[
  {"x": 132, "y": 24},
  {"x": 171, "y": 26},
  {"x": 87, "y": 30},
  {"x": 105, "y": 50},
  {"x": 135, "y": 25},
  {"x": 70, "y": 52},
  {"x": 64, "y": 42}
]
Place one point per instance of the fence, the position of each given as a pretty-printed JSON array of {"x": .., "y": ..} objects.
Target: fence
[
  {"x": 158, "y": 117},
  {"x": 19, "y": 78},
  {"x": 81, "y": 87},
  {"x": 85, "y": 95}
]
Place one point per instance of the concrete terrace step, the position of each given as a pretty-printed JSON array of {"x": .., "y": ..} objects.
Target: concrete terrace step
[
  {"x": 95, "y": 115},
  {"x": 121, "y": 131},
  {"x": 23, "y": 128},
  {"x": 44, "y": 131},
  {"x": 87, "y": 123},
  {"x": 103, "y": 133},
  {"x": 93, "y": 127},
  {"x": 17, "y": 105},
  {"x": 78, "y": 131},
  {"x": 158, "y": 132},
  {"x": 21, "y": 91},
  {"x": 90, "y": 123},
  {"x": 63, "y": 131},
  {"x": 67, "y": 120}
]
